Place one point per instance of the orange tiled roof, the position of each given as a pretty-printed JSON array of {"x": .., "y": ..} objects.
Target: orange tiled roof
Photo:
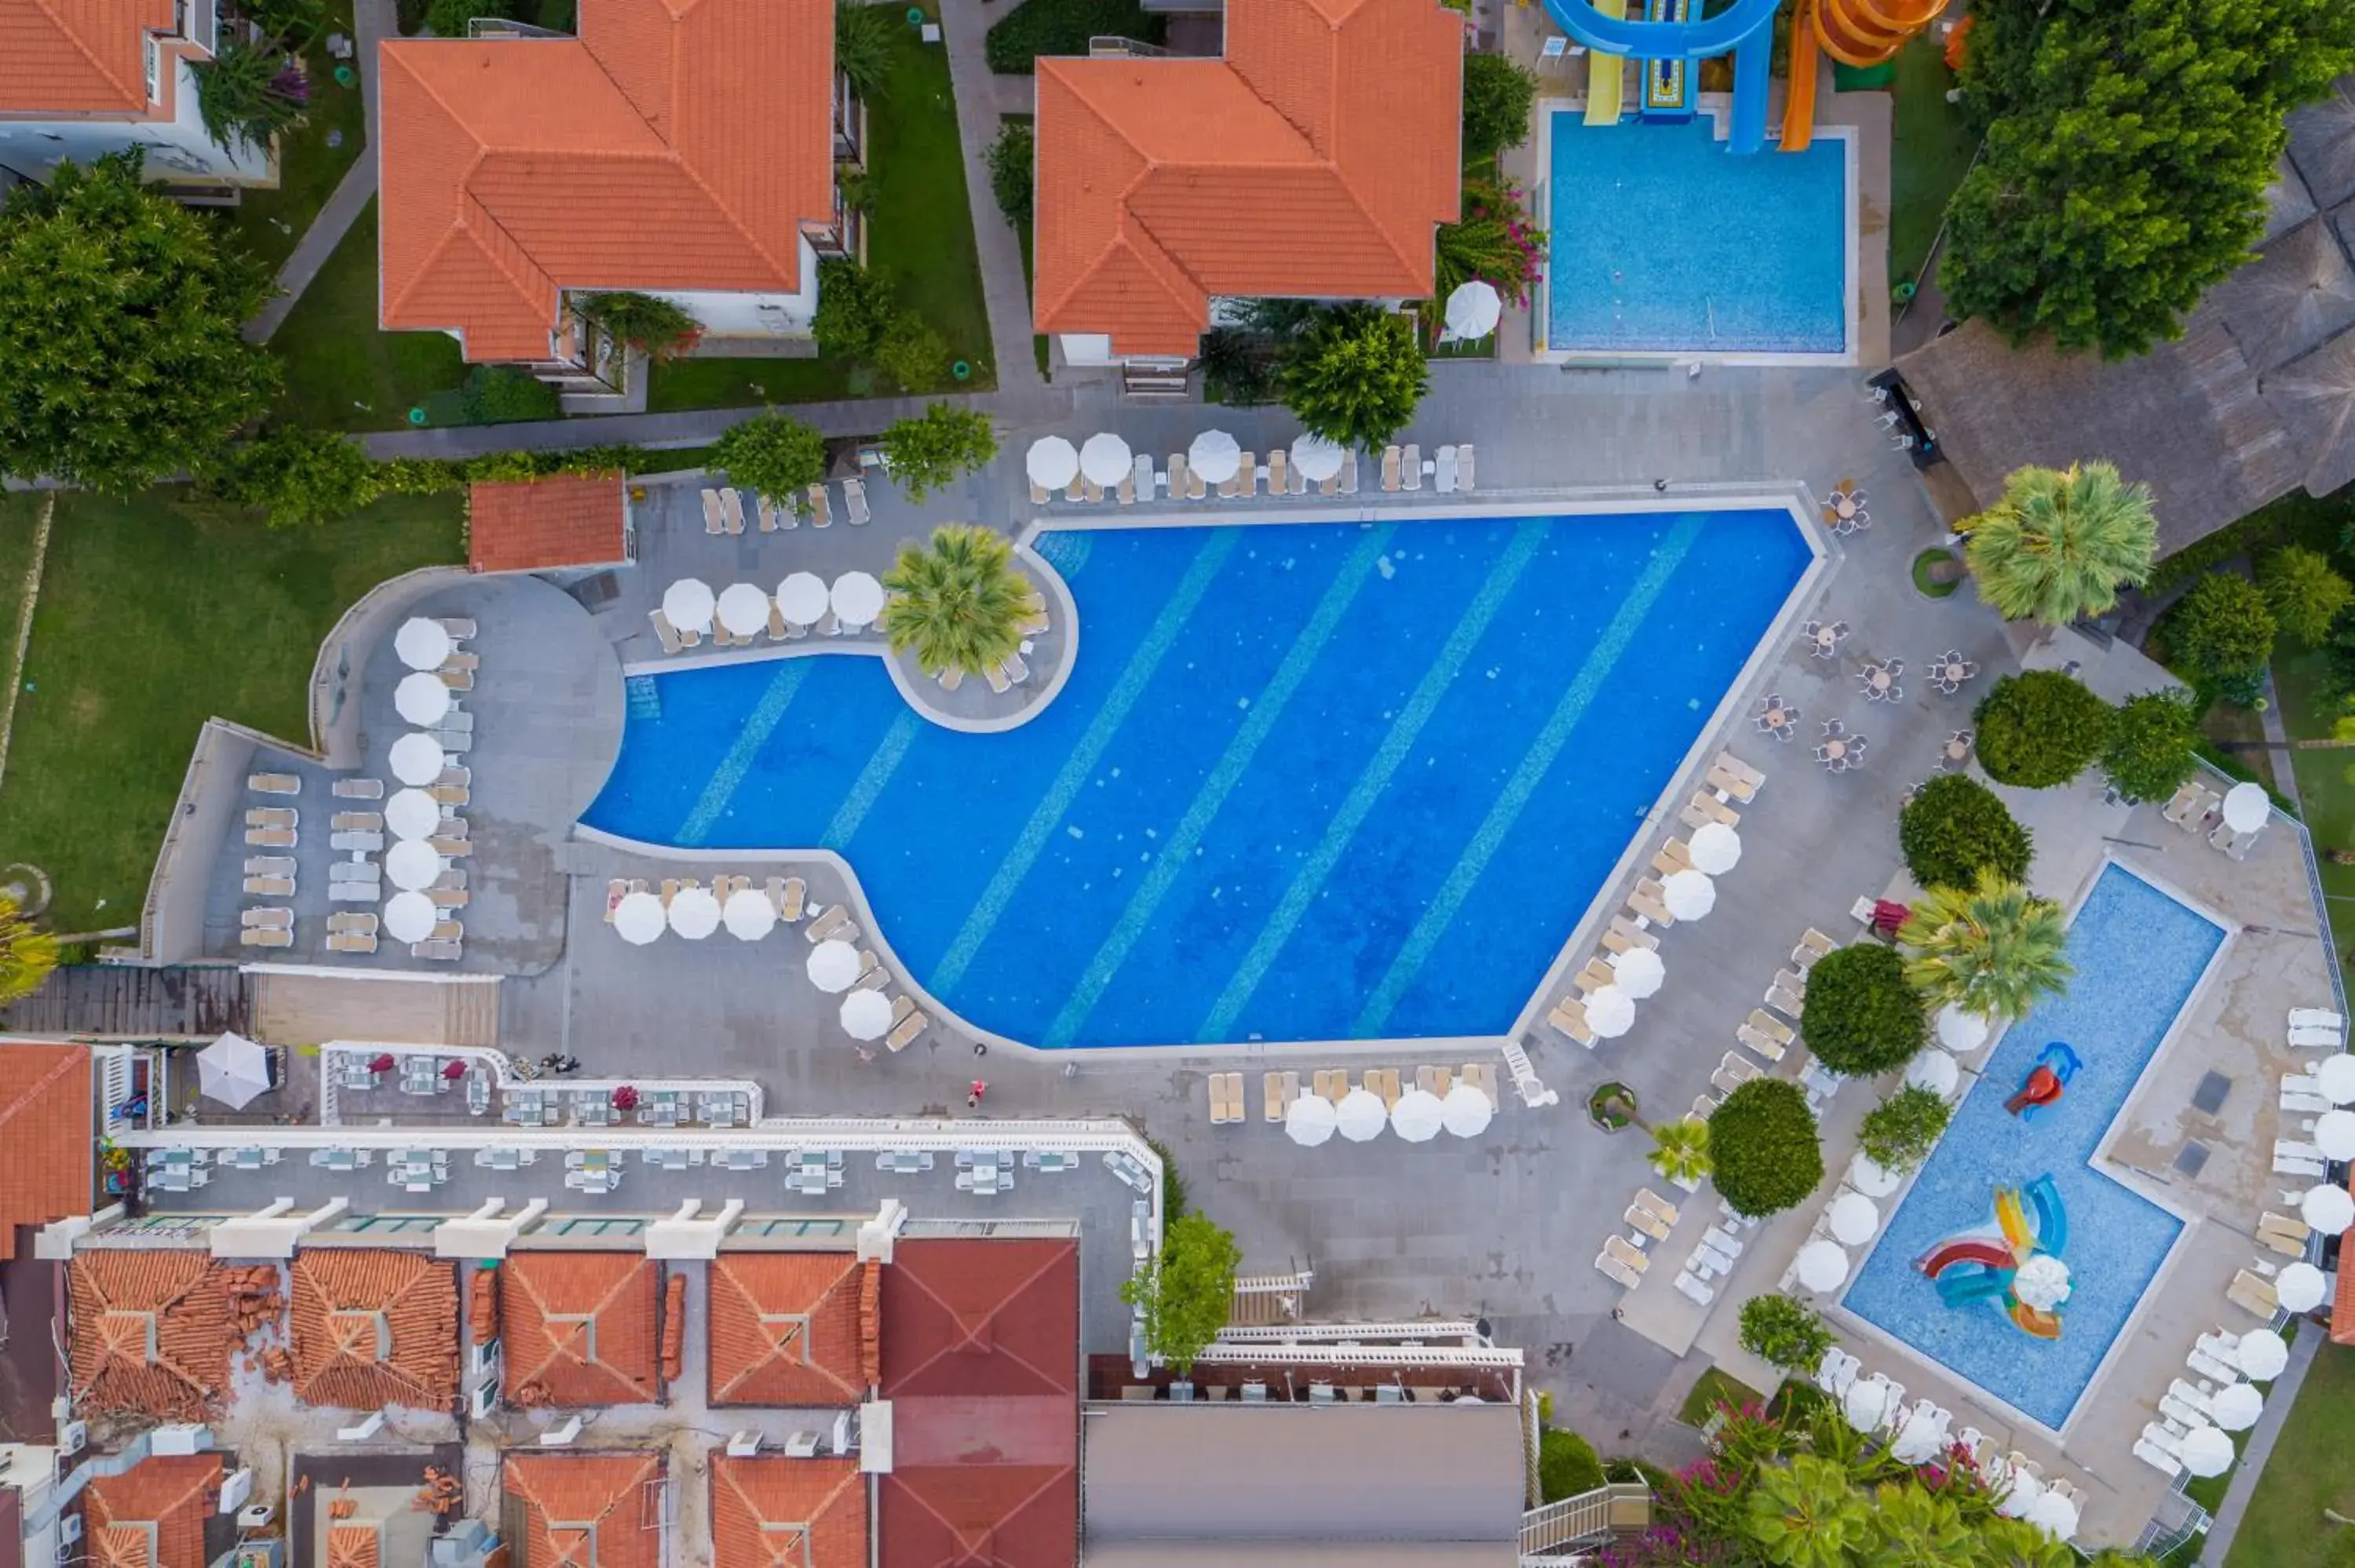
[
  {"x": 371, "y": 1328},
  {"x": 46, "y": 1127},
  {"x": 76, "y": 57},
  {"x": 580, "y": 1328},
  {"x": 352, "y": 1545},
  {"x": 533, "y": 524},
  {"x": 979, "y": 1318},
  {"x": 792, "y": 1327},
  {"x": 153, "y": 1515},
  {"x": 587, "y": 1510},
  {"x": 675, "y": 145},
  {"x": 1312, "y": 162},
  {"x": 152, "y": 1332},
  {"x": 753, "y": 1501}
]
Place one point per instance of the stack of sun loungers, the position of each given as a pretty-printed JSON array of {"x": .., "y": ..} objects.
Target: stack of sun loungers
[
  {"x": 270, "y": 877},
  {"x": 1226, "y": 1098}
]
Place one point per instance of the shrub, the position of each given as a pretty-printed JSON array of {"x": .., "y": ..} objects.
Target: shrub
[
  {"x": 855, "y": 307},
  {"x": 1566, "y": 1465},
  {"x": 1763, "y": 1138},
  {"x": 2040, "y": 729},
  {"x": 652, "y": 326},
  {"x": 773, "y": 454},
  {"x": 912, "y": 354},
  {"x": 448, "y": 18},
  {"x": 1784, "y": 1333},
  {"x": 1238, "y": 368},
  {"x": 27, "y": 953},
  {"x": 1952, "y": 826},
  {"x": 2221, "y": 632},
  {"x": 1187, "y": 1293},
  {"x": 926, "y": 452},
  {"x": 2153, "y": 747},
  {"x": 1862, "y": 1018},
  {"x": 1497, "y": 95},
  {"x": 250, "y": 92},
  {"x": 1900, "y": 1132},
  {"x": 1494, "y": 241},
  {"x": 299, "y": 477},
  {"x": 1038, "y": 27},
  {"x": 1356, "y": 374},
  {"x": 1013, "y": 157},
  {"x": 2304, "y": 592},
  {"x": 865, "y": 38}
]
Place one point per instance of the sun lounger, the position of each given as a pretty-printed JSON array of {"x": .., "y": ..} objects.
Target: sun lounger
[
  {"x": 274, "y": 916},
  {"x": 1739, "y": 769},
  {"x": 1739, "y": 1066},
  {"x": 1411, "y": 467},
  {"x": 1443, "y": 478},
  {"x": 821, "y": 509},
  {"x": 1770, "y": 1049},
  {"x": 1617, "y": 1272},
  {"x": 1384, "y": 1081},
  {"x": 1789, "y": 1003},
  {"x": 1634, "y": 935},
  {"x": 460, "y": 627},
  {"x": 358, "y": 789},
  {"x": 1125, "y": 491},
  {"x": 2315, "y": 1018},
  {"x": 272, "y": 817},
  {"x": 1650, "y": 901},
  {"x": 1346, "y": 482},
  {"x": 2157, "y": 1458},
  {"x": 1621, "y": 1249},
  {"x": 274, "y": 783},
  {"x": 1705, "y": 1104},
  {"x": 768, "y": 509},
  {"x": 457, "y": 679},
  {"x": 1277, "y": 482},
  {"x": 665, "y": 632},
  {"x": 270, "y": 886},
  {"x": 1688, "y": 1285},
  {"x": 356, "y": 821},
  {"x": 1390, "y": 469},
  {"x": 270, "y": 838},
  {"x": 1195, "y": 489},
  {"x": 1278, "y": 1090},
  {"x": 715, "y": 521},
  {"x": 2302, "y": 1102},
  {"x": 1016, "y": 669},
  {"x": 270, "y": 866},
  {"x": 1812, "y": 947},
  {"x": 2185, "y": 797},
  {"x": 1724, "y": 1240},
  {"x": 1791, "y": 980},
  {"x": 2268, "y": 1222},
  {"x": 2308, "y": 1037},
  {"x": 261, "y": 936},
  {"x": 998, "y": 680},
  {"x": 1247, "y": 476},
  {"x": 854, "y": 502},
  {"x": 1713, "y": 810},
  {"x": 1647, "y": 1224},
  {"x": 1040, "y": 494},
  {"x": 1332, "y": 1083},
  {"x": 1464, "y": 467},
  {"x": 1673, "y": 856},
  {"x": 350, "y": 942},
  {"x": 915, "y": 1024},
  {"x": 1656, "y": 1205},
  {"x": 2253, "y": 1295}
]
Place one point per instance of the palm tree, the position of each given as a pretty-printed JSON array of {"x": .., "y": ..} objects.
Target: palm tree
[
  {"x": 959, "y": 603},
  {"x": 1680, "y": 1150},
  {"x": 1917, "y": 1528},
  {"x": 1992, "y": 949},
  {"x": 1808, "y": 1514},
  {"x": 2016, "y": 1543},
  {"x": 27, "y": 953},
  {"x": 2062, "y": 541}
]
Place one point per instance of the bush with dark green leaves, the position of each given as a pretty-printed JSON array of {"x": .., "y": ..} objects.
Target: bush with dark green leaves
[
  {"x": 1566, "y": 1465},
  {"x": 448, "y": 18},
  {"x": 2039, "y": 728},
  {"x": 496, "y": 395},
  {"x": 1038, "y": 27},
  {"x": 926, "y": 452},
  {"x": 1952, "y": 826},
  {"x": 1497, "y": 95},
  {"x": 1356, "y": 374},
  {"x": 298, "y": 478},
  {"x": 2303, "y": 590},
  {"x": 2222, "y": 634},
  {"x": 865, "y": 39},
  {"x": 1013, "y": 159},
  {"x": 1784, "y": 1333},
  {"x": 2153, "y": 745},
  {"x": 1900, "y": 1132},
  {"x": 775, "y": 454},
  {"x": 653, "y": 325},
  {"x": 1862, "y": 1017},
  {"x": 1763, "y": 1140}
]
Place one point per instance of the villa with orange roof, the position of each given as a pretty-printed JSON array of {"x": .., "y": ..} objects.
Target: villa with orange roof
[
  {"x": 1314, "y": 161},
  {"x": 80, "y": 78},
  {"x": 685, "y": 149},
  {"x": 156, "y": 1514}
]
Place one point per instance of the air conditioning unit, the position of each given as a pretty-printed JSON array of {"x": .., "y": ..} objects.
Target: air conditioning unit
[
  {"x": 236, "y": 1487},
  {"x": 743, "y": 1444},
  {"x": 843, "y": 1438},
  {"x": 73, "y": 1437},
  {"x": 802, "y": 1446},
  {"x": 68, "y": 1529},
  {"x": 483, "y": 1400}
]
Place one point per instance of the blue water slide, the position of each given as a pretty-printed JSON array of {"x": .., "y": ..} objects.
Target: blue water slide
[
  {"x": 1747, "y": 27},
  {"x": 1960, "y": 1286},
  {"x": 2043, "y": 1196}
]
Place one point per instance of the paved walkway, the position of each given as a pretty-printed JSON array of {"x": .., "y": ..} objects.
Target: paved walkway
[
  {"x": 1004, "y": 291},
  {"x": 2260, "y": 1449}
]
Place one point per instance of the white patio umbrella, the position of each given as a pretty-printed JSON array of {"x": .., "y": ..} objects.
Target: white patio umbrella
[
  {"x": 2054, "y": 1514},
  {"x": 417, "y": 758},
  {"x": 1466, "y": 1112},
  {"x": 411, "y": 862},
  {"x": 1716, "y": 849},
  {"x": 2300, "y": 1287},
  {"x": 833, "y": 966},
  {"x": 638, "y": 918},
  {"x": 1690, "y": 895},
  {"x": 2020, "y": 1496},
  {"x": 866, "y": 1015},
  {"x": 1960, "y": 1031},
  {"x": 1317, "y": 459},
  {"x": 688, "y": 604},
  {"x": 2328, "y": 1209},
  {"x": 2207, "y": 1451},
  {"x": 1868, "y": 1176},
  {"x": 1822, "y": 1265},
  {"x": 2261, "y": 1355},
  {"x": 2246, "y": 808},
  {"x": 422, "y": 698},
  {"x": 1854, "y": 1219},
  {"x": 743, "y": 609},
  {"x": 1052, "y": 463},
  {"x": 420, "y": 644},
  {"x": 412, "y": 814},
  {"x": 1308, "y": 1120},
  {"x": 409, "y": 917},
  {"x": 1922, "y": 1438},
  {"x": 1418, "y": 1116},
  {"x": 234, "y": 1071},
  {"x": 2042, "y": 1282},
  {"x": 1105, "y": 460},
  {"x": 802, "y": 598},
  {"x": 1610, "y": 1012},
  {"x": 2236, "y": 1406},
  {"x": 1640, "y": 972},
  {"x": 2336, "y": 1075},
  {"x": 1474, "y": 308},
  {"x": 1935, "y": 1071},
  {"x": 1866, "y": 1404},
  {"x": 1215, "y": 457},
  {"x": 857, "y": 598},
  {"x": 694, "y": 912},
  {"x": 1360, "y": 1115},
  {"x": 2334, "y": 1134},
  {"x": 747, "y": 914}
]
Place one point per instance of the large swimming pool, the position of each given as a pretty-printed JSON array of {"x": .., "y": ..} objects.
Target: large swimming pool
[
  {"x": 1306, "y": 781},
  {"x": 2139, "y": 954},
  {"x": 1662, "y": 241}
]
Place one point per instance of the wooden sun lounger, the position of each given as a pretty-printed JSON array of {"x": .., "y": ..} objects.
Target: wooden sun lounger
[
  {"x": 915, "y": 1024},
  {"x": 1247, "y": 476},
  {"x": 1714, "y": 810},
  {"x": 821, "y": 509},
  {"x": 1650, "y": 900},
  {"x": 715, "y": 521},
  {"x": 270, "y": 886},
  {"x": 256, "y": 937},
  {"x": 1568, "y": 1016},
  {"x": 1760, "y": 1041},
  {"x": 1177, "y": 476},
  {"x": 350, "y": 942},
  {"x": 1739, "y": 769},
  {"x": 270, "y": 838},
  {"x": 1040, "y": 494},
  {"x": 1348, "y": 481},
  {"x": 1648, "y": 1200},
  {"x": 1384, "y": 1081},
  {"x": 1279, "y": 1090},
  {"x": 731, "y": 507},
  {"x": 1195, "y": 489},
  {"x": 1277, "y": 479},
  {"x": 1332, "y": 1083},
  {"x": 1390, "y": 469},
  {"x": 1638, "y": 1219},
  {"x": 1634, "y": 935},
  {"x": 1610, "y": 1268},
  {"x": 351, "y": 920},
  {"x": 665, "y": 632},
  {"x": 1790, "y": 1003},
  {"x": 1627, "y": 1251},
  {"x": 1672, "y": 857},
  {"x": 357, "y": 823},
  {"x": 1593, "y": 976},
  {"x": 768, "y": 513},
  {"x": 274, "y": 783},
  {"x": 359, "y": 788},
  {"x": 1812, "y": 945}
]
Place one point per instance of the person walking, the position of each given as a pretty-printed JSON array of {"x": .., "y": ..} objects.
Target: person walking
[{"x": 973, "y": 1100}]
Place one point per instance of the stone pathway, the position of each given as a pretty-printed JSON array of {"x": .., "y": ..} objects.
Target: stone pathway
[{"x": 1004, "y": 291}]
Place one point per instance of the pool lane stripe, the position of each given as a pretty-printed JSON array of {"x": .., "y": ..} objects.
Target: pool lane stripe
[
  {"x": 1178, "y": 850},
  {"x": 1309, "y": 880},
  {"x": 1026, "y": 848},
  {"x": 761, "y": 723},
  {"x": 868, "y": 788},
  {"x": 1601, "y": 661}
]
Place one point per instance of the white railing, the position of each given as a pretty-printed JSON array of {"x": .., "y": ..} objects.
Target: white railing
[
  {"x": 1586, "y": 1518},
  {"x": 1224, "y": 1351},
  {"x": 1348, "y": 1333}
]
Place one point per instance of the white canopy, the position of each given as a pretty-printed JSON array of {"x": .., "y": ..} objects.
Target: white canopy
[
  {"x": 1309, "y": 1120},
  {"x": 1961, "y": 1032},
  {"x": 1360, "y": 1115},
  {"x": 2334, "y": 1134},
  {"x": 420, "y": 644},
  {"x": 834, "y": 966},
  {"x": 866, "y": 1015},
  {"x": 2042, "y": 1282},
  {"x": 1716, "y": 849},
  {"x": 2337, "y": 1077},
  {"x": 2207, "y": 1451},
  {"x": 747, "y": 914},
  {"x": 1317, "y": 457},
  {"x": 233, "y": 1069},
  {"x": 2328, "y": 1209},
  {"x": 1935, "y": 1071},
  {"x": 694, "y": 912},
  {"x": 1640, "y": 972},
  {"x": 1869, "y": 1177},
  {"x": 1214, "y": 456},
  {"x": 2236, "y": 1406},
  {"x": 412, "y": 814},
  {"x": 802, "y": 598},
  {"x": 1418, "y": 1116},
  {"x": 2261, "y": 1355},
  {"x": 1822, "y": 1265},
  {"x": 411, "y": 862},
  {"x": 2054, "y": 1514},
  {"x": 1105, "y": 460},
  {"x": 743, "y": 609},
  {"x": 1052, "y": 463},
  {"x": 2300, "y": 1287},
  {"x": 1854, "y": 1219},
  {"x": 638, "y": 918},
  {"x": 422, "y": 698},
  {"x": 417, "y": 758},
  {"x": 2020, "y": 1496},
  {"x": 1866, "y": 1404},
  {"x": 409, "y": 917},
  {"x": 857, "y": 598},
  {"x": 1466, "y": 1112},
  {"x": 1474, "y": 308},
  {"x": 2246, "y": 808},
  {"x": 1610, "y": 1012},
  {"x": 1922, "y": 1436},
  {"x": 1690, "y": 895},
  {"x": 688, "y": 604}
]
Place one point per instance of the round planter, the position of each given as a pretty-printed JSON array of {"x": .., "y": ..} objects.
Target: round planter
[{"x": 1612, "y": 1107}]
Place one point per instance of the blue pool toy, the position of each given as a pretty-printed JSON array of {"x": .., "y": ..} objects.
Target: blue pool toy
[{"x": 2055, "y": 1065}]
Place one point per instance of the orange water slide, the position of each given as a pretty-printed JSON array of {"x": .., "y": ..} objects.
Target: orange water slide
[
  {"x": 1799, "y": 92},
  {"x": 1868, "y": 32}
]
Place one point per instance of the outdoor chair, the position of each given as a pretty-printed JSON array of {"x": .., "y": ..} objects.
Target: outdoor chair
[
  {"x": 1411, "y": 467},
  {"x": 854, "y": 502}
]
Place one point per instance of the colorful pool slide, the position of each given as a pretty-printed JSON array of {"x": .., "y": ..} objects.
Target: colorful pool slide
[
  {"x": 1799, "y": 101},
  {"x": 1606, "y": 76},
  {"x": 1746, "y": 27}
]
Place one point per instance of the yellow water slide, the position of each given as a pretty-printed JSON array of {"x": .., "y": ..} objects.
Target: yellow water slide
[{"x": 1605, "y": 74}]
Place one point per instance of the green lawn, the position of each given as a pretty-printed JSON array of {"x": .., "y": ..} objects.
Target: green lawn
[
  {"x": 153, "y": 619},
  {"x": 268, "y": 224},
  {"x": 2323, "y": 786},
  {"x": 2312, "y": 1468},
  {"x": 1930, "y": 151},
  {"x": 341, "y": 372},
  {"x": 745, "y": 383},
  {"x": 19, "y": 515},
  {"x": 1716, "y": 1388}
]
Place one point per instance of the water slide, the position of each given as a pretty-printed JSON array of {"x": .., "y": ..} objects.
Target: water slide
[
  {"x": 1869, "y": 32},
  {"x": 1667, "y": 84},
  {"x": 1799, "y": 101},
  {"x": 1605, "y": 76},
  {"x": 1746, "y": 27}
]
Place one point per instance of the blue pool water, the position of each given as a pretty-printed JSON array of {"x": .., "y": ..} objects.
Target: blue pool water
[
  {"x": 1306, "y": 781},
  {"x": 1663, "y": 241},
  {"x": 2138, "y": 953}
]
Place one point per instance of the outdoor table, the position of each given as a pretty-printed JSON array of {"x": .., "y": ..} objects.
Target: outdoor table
[
  {"x": 740, "y": 1159},
  {"x": 904, "y": 1162},
  {"x": 241, "y": 1158},
  {"x": 1958, "y": 747},
  {"x": 335, "y": 1159},
  {"x": 1052, "y": 1160},
  {"x": 666, "y": 1159}
]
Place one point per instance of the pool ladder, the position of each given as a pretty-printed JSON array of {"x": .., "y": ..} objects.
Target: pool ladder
[{"x": 643, "y": 697}]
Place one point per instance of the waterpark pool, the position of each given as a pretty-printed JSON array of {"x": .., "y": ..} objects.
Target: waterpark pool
[
  {"x": 1306, "y": 781},
  {"x": 1662, "y": 241},
  {"x": 2139, "y": 953}
]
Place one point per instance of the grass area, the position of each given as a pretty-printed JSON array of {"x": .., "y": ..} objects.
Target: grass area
[
  {"x": 2324, "y": 786},
  {"x": 1716, "y": 1388},
  {"x": 20, "y": 515},
  {"x": 341, "y": 373},
  {"x": 268, "y": 224},
  {"x": 151, "y": 618},
  {"x": 1930, "y": 152},
  {"x": 1924, "y": 584},
  {"x": 2312, "y": 1468},
  {"x": 745, "y": 383},
  {"x": 1038, "y": 27}
]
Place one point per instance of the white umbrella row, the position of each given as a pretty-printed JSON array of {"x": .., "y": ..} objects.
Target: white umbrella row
[
  {"x": 1214, "y": 456},
  {"x": 1418, "y": 1116},
  {"x": 742, "y": 609},
  {"x": 694, "y": 912}
]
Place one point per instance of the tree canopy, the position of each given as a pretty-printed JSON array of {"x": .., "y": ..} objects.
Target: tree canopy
[
  {"x": 121, "y": 362},
  {"x": 1952, "y": 826},
  {"x": 1497, "y": 95},
  {"x": 1862, "y": 1017},
  {"x": 1993, "y": 948},
  {"x": 299, "y": 477},
  {"x": 1189, "y": 1292},
  {"x": 2039, "y": 728},
  {"x": 2062, "y": 541},
  {"x": 775, "y": 454},
  {"x": 1680, "y": 1150},
  {"x": 1355, "y": 374},
  {"x": 1785, "y": 1334},
  {"x": 957, "y": 603},
  {"x": 2153, "y": 748},
  {"x": 1900, "y": 1132},
  {"x": 2303, "y": 590},
  {"x": 1763, "y": 1142},
  {"x": 925, "y": 452},
  {"x": 2222, "y": 635}
]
